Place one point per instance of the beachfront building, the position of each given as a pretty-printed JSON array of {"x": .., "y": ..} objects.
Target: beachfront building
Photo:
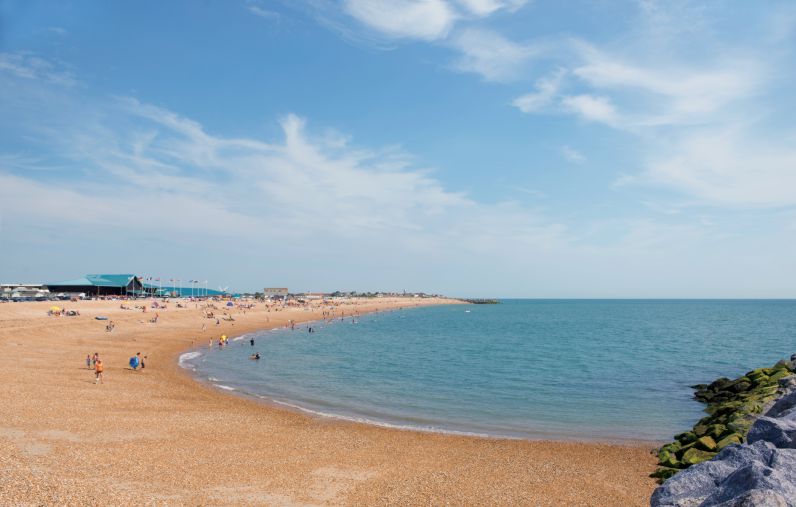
[
  {"x": 314, "y": 295},
  {"x": 275, "y": 292},
  {"x": 101, "y": 285},
  {"x": 23, "y": 291},
  {"x": 183, "y": 292}
]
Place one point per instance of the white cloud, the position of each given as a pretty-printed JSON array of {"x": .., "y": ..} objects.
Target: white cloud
[
  {"x": 572, "y": 155},
  {"x": 599, "y": 109},
  {"x": 727, "y": 167},
  {"x": 546, "y": 90},
  {"x": 487, "y": 7},
  {"x": 674, "y": 93},
  {"x": 29, "y": 66},
  {"x": 261, "y": 11},
  {"x": 491, "y": 55},
  {"x": 416, "y": 19}
]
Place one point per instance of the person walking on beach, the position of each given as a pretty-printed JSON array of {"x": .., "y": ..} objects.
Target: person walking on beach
[
  {"x": 98, "y": 369},
  {"x": 95, "y": 359},
  {"x": 88, "y": 361}
]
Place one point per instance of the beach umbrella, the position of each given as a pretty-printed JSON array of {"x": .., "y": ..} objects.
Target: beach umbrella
[{"x": 230, "y": 303}]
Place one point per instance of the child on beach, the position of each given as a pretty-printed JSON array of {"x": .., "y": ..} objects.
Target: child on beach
[
  {"x": 88, "y": 361},
  {"x": 98, "y": 368}
]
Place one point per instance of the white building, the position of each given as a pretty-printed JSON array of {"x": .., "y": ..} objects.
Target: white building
[{"x": 23, "y": 291}]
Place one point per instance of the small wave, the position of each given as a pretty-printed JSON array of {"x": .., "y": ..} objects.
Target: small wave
[
  {"x": 383, "y": 424},
  {"x": 213, "y": 379},
  {"x": 226, "y": 388},
  {"x": 184, "y": 358}
]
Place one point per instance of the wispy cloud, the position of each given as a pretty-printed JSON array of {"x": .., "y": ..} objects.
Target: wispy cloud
[
  {"x": 262, "y": 12},
  {"x": 487, "y": 7},
  {"x": 491, "y": 55},
  {"x": 593, "y": 108},
  {"x": 547, "y": 90},
  {"x": 415, "y": 19},
  {"x": 29, "y": 66},
  {"x": 726, "y": 167},
  {"x": 572, "y": 155}
]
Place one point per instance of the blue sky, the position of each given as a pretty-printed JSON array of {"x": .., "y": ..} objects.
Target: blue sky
[{"x": 510, "y": 148}]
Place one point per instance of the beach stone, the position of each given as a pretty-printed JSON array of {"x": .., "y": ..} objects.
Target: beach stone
[
  {"x": 730, "y": 439},
  {"x": 691, "y": 486},
  {"x": 686, "y": 437},
  {"x": 742, "y": 385},
  {"x": 757, "y": 498},
  {"x": 754, "y": 476},
  {"x": 737, "y": 456},
  {"x": 784, "y": 460},
  {"x": 717, "y": 430},
  {"x": 693, "y": 456},
  {"x": 706, "y": 443},
  {"x": 664, "y": 473},
  {"x": 783, "y": 404},
  {"x": 778, "y": 431}
]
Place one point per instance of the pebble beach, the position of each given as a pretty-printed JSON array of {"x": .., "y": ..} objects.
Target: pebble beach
[{"x": 159, "y": 437}]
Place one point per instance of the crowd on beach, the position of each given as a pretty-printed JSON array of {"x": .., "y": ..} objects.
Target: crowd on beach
[{"x": 329, "y": 313}]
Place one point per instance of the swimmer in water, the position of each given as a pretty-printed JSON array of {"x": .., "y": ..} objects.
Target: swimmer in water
[{"x": 255, "y": 356}]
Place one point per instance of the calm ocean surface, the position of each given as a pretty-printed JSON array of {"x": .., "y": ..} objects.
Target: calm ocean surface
[{"x": 557, "y": 369}]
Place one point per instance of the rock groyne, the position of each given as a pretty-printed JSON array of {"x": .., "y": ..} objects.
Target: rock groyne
[{"x": 758, "y": 466}]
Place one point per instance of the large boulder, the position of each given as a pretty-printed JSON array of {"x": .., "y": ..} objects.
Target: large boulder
[
  {"x": 779, "y": 431},
  {"x": 754, "y": 476},
  {"x": 692, "y": 486},
  {"x": 756, "y": 498}
]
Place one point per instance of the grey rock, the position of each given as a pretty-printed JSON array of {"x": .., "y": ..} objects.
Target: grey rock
[
  {"x": 757, "y": 498},
  {"x": 755, "y": 476},
  {"x": 693, "y": 485},
  {"x": 737, "y": 456},
  {"x": 780, "y": 432},
  {"x": 786, "y": 402},
  {"x": 784, "y": 461}
]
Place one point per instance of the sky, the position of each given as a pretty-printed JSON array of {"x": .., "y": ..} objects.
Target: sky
[{"x": 476, "y": 148}]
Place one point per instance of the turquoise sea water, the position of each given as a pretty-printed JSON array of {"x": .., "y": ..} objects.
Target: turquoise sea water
[{"x": 556, "y": 369}]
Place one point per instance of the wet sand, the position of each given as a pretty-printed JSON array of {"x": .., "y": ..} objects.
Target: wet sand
[{"x": 158, "y": 437}]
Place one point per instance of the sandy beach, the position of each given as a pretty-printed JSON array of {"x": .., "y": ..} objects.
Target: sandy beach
[{"x": 159, "y": 437}]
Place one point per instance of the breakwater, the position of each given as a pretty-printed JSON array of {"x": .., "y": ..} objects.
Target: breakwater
[{"x": 744, "y": 452}]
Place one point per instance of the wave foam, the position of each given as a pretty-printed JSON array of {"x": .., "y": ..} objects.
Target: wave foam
[
  {"x": 184, "y": 358},
  {"x": 383, "y": 424}
]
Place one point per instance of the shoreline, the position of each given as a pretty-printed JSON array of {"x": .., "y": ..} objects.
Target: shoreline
[{"x": 162, "y": 436}]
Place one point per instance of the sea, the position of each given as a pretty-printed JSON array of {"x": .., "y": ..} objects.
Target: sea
[{"x": 604, "y": 370}]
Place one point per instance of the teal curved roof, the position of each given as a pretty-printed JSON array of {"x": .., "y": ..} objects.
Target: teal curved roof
[{"x": 97, "y": 281}]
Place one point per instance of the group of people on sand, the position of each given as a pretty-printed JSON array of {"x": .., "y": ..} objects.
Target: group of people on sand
[
  {"x": 136, "y": 361},
  {"x": 62, "y": 312},
  {"x": 94, "y": 362}
]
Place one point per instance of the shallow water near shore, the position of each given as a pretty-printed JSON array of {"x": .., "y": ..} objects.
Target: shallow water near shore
[{"x": 552, "y": 369}]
